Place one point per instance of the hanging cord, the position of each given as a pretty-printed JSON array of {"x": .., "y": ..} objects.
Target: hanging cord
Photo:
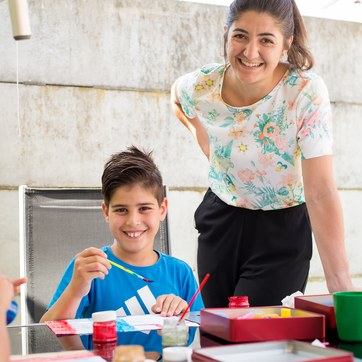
[{"x": 17, "y": 86}]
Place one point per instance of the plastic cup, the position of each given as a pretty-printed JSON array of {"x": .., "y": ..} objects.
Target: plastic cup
[{"x": 348, "y": 310}]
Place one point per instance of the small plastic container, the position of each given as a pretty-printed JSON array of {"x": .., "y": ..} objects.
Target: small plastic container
[
  {"x": 238, "y": 302},
  {"x": 174, "y": 333},
  {"x": 176, "y": 354},
  {"x": 104, "y": 327},
  {"x": 12, "y": 312}
]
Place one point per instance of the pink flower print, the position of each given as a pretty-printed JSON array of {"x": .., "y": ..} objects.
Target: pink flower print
[
  {"x": 317, "y": 99},
  {"x": 246, "y": 175},
  {"x": 292, "y": 105},
  {"x": 244, "y": 203},
  {"x": 290, "y": 203},
  {"x": 315, "y": 119},
  {"x": 299, "y": 122},
  {"x": 271, "y": 130},
  {"x": 240, "y": 118},
  {"x": 266, "y": 159},
  {"x": 260, "y": 174},
  {"x": 281, "y": 143},
  {"x": 237, "y": 132},
  {"x": 303, "y": 84},
  {"x": 289, "y": 180},
  {"x": 242, "y": 148},
  {"x": 305, "y": 132},
  {"x": 214, "y": 96}
]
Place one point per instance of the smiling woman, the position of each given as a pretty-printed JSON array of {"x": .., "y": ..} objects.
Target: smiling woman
[{"x": 260, "y": 119}]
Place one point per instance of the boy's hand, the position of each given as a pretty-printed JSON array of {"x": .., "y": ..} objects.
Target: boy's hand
[
  {"x": 89, "y": 264},
  {"x": 168, "y": 305}
]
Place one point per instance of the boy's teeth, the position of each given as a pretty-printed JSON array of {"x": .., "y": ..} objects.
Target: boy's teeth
[
  {"x": 250, "y": 64},
  {"x": 134, "y": 235}
]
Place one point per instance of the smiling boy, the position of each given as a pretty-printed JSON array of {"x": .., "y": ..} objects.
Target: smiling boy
[{"x": 134, "y": 204}]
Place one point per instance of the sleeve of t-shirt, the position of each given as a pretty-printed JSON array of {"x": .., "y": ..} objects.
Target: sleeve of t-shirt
[
  {"x": 185, "y": 91},
  {"x": 66, "y": 278},
  {"x": 314, "y": 120}
]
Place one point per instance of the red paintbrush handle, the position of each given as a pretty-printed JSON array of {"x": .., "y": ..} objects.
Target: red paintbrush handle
[{"x": 194, "y": 297}]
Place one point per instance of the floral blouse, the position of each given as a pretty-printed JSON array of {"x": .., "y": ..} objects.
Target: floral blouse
[{"x": 256, "y": 151}]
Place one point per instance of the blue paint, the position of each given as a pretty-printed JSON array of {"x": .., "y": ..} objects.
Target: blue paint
[{"x": 123, "y": 326}]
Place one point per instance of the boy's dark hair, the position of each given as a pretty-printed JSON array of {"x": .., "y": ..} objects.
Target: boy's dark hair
[{"x": 129, "y": 168}]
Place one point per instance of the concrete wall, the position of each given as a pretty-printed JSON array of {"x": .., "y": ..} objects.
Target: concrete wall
[{"x": 95, "y": 77}]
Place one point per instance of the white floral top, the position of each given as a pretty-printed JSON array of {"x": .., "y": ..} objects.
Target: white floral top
[{"x": 256, "y": 151}]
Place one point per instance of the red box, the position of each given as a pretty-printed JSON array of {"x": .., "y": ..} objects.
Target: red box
[
  {"x": 220, "y": 322},
  {"x": 322, "y": 304}
]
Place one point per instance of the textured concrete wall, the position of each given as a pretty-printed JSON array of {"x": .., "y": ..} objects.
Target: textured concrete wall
[{"x": 95, "y": 78}]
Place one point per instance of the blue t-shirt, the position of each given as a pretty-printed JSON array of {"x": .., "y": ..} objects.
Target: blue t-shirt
[{"x": 129, "y": 295}]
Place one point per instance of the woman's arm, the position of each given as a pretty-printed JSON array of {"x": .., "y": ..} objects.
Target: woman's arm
[
  {"x": 194, "y": 124},
  {"x": 325, "y": 212}
]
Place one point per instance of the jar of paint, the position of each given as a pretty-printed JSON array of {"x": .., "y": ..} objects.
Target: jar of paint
[
  {"x": 174, "y": 333},
  {"x": 104, "y": 327},
  {"x": 238, "y": 302}
]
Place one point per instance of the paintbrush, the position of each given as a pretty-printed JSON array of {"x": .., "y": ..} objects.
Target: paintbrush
[
  {"x": 194, "y": 297},
  {"x": 129, "y": 271}
]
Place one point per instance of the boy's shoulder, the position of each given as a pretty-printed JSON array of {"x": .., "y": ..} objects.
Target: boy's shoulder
[{"x": 168, "y": 259}]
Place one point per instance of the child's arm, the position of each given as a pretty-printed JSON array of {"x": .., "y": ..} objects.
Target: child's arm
[
  {"x": 7, "y": 290},
  {"x": 89, "y": 264},
  {"x": 168, "y": 305}
]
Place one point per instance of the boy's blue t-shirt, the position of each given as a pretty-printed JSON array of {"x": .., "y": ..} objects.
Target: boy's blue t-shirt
[{"x": 129, "y": 295}]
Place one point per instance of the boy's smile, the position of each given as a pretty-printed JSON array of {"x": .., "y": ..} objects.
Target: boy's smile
[{"x": 134, "y": 215}]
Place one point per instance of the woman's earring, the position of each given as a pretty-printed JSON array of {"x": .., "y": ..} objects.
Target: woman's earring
[{"x": 284, "y": 57}]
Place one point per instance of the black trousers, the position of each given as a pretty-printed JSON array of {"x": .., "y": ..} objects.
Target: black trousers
[{"x": 264, "y": 255}]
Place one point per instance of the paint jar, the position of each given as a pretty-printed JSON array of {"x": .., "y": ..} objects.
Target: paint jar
[
  {"x": 238, "y": 302},
  {"x": 174, "y": 333},
  {"x": 105, "y": 350},
  {"x": 12, "y": 312},
  {"x": 104, "y": 327}
]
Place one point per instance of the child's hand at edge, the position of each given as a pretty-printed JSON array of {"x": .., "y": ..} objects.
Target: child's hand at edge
[
  {"x": 91, "y": 263},
  {"x": 168, "y": 305},
  {"x": 8, "y": 288}
]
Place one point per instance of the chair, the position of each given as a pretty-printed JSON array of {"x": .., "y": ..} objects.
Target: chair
[{"x": 55, "y": 225}]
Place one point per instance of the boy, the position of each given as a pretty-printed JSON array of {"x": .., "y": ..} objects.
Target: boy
[{"x": 133, "y": 206}]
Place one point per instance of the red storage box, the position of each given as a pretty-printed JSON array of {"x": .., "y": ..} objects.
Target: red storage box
[
  {"x": 271, "y": 352},
  {"x": 322, "y": 304},
  {"x": 222, "y": 323}
]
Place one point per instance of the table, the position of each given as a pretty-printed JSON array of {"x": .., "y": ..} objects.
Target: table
[{"x": 43, "y": 340}]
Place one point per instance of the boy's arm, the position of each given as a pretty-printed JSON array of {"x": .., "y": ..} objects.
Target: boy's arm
[{"x": 89, "y": 264}]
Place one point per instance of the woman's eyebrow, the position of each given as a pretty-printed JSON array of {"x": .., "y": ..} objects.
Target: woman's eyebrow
[{"x": 261, "y": 34}]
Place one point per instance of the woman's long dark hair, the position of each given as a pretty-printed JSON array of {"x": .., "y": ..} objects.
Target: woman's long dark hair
[{"x": 287, "y": 16}]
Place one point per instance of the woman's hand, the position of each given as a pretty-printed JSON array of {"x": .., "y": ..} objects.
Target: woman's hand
[
  {"x": 194, "y": 125},
  {"x": 168, "y": 305}
]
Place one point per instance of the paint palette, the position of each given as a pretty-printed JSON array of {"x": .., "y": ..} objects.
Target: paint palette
[
  {"x": 322, "y": 304},
  {"x": 230, "y": 325}
]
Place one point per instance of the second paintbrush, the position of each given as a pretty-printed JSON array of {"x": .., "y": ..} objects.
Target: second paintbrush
[{"x": 130, "y": 271}]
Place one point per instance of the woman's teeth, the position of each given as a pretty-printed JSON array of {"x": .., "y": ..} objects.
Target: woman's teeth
[{"x": 250, "y": 64}]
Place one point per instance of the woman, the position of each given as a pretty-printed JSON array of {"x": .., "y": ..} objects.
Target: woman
[{"x": 260, "y": 121}]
